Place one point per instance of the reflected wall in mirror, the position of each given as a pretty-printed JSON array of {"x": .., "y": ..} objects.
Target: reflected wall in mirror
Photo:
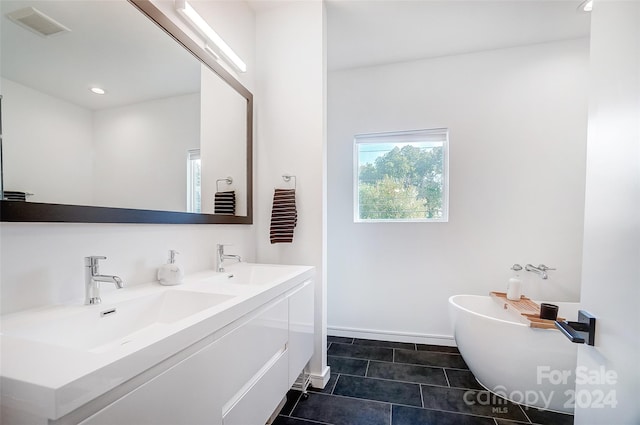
[{"x": 134, "y": 146}]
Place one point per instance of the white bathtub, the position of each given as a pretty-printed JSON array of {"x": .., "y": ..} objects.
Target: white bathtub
[{"x": 535, "y": 367}]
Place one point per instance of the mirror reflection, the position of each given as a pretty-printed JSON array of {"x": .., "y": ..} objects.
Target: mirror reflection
[{"x": 164, "y": 133}]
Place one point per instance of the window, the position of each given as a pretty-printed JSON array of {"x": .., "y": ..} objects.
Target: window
[
  {"x": 401, "y": 176},
  {"x": 193, "y": 181}
]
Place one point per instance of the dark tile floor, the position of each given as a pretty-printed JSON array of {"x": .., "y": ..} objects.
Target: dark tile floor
[{"x": 393, "y": 383}]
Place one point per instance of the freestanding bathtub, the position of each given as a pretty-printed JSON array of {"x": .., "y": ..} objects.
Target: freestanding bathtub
[{"x": 534, "y": 367}]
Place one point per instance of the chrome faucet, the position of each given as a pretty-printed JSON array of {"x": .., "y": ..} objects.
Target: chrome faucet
[
  {"x": 92, "y": 279},
  {"x": 221, "y": 256},
  {"x": 540, "y": 270}
]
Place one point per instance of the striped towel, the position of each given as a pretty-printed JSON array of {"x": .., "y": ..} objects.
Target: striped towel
[
  {"x": 13, "y": 195},
  {"x": 284, "y": 216},
  {"x": 225, "y": 202}
]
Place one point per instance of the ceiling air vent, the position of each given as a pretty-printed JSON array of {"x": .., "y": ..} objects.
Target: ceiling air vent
[{"x": 36, "y": 21}]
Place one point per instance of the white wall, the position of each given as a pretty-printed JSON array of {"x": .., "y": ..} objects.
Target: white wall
[
  {"x": 42, "y": 263},
  {"x": 517, "y": 121},
  {"x": 223, "y": 141},
  {"x": 91, "y": 157},
  {"x": 146, "y": 143},
  {"x": 611, "y": 267},
  {"x": 290, "y": 139},
  {"x": 54, "y": 137}
]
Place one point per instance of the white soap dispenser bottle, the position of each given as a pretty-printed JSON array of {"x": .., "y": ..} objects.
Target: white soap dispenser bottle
[
  {"x": 171, "y": 273},
  {"x": 514, "y": 287}
]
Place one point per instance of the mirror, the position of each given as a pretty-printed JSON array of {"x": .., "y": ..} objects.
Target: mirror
[{"x": 173, "y": 128}]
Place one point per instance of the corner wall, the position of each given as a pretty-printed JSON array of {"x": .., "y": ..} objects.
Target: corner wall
[
  {"x": 517, "y": 121},
  {"x": 611, "y": 270},
  {"x": 67, "y": 155},
  {"x": 145, "y": 143},
  {"x": 290, "y": 118}
]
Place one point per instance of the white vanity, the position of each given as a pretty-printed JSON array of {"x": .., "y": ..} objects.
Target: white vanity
[{"x": 222, "y": 348}]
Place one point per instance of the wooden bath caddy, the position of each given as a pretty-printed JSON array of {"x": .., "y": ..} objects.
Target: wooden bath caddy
[{"x": 526, "y": 310}]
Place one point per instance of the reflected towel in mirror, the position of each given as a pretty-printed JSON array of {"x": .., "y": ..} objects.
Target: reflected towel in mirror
[
  {"x": 13, "y": 195},
  {"x": 225, "y": 202}
]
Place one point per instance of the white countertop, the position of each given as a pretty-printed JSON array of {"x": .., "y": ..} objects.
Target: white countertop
[{"x": 52, "y": 380}]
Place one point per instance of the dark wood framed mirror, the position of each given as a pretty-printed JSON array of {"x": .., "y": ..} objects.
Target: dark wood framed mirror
[{"x": 134, "y": 209}]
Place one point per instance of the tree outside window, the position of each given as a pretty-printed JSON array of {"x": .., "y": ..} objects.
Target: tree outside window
[{"x": 402, "y": 176}]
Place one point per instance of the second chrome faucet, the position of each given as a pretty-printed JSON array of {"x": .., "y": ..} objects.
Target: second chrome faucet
[
  {"x": 92, "y": 279},
  {"x": 221, "y": 256}
]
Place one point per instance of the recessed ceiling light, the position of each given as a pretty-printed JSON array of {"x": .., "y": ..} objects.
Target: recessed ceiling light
[{"x": 97, "y": 90}]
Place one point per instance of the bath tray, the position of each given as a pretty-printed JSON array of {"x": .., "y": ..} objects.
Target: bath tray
[{"x": 527, "y": 311}]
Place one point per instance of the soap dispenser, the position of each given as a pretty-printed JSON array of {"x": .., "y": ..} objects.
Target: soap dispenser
[
  {"x": 514, "y": 287},
  {"x": 171, "y": 273}
]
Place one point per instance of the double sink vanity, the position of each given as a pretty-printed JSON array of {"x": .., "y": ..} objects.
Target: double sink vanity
[{"x": 222, "y": 348}]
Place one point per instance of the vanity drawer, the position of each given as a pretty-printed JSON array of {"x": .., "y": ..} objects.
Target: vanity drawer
[
  {"x": 261, "y": 396},
  {"x": 240, "y": 355}
]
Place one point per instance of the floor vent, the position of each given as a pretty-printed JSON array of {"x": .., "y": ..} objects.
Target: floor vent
[{"x": 36, "y": 21}]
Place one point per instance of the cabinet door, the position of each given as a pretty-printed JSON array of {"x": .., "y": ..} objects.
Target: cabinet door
[
  {"x": 301, "y": 321},
  {"x": 198, "y": 389}
]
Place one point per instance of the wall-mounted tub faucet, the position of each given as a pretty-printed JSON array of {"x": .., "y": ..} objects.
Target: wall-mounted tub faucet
[
  {"x": 221, "y": 256},
  {"x": 92, "y": 279},
  {"x": 540, "y": 270}
]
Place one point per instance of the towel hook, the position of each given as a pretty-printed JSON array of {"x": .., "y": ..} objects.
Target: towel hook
[
  {"x": 229, "y": 180},
  {"x": 288, "y": 177}
]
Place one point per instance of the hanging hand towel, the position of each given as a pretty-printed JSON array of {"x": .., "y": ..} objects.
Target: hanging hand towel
[
  {"x": 225, "y": 203},
  {"x": 12, "y": 195},
  {"x": 284, "y": 216}
]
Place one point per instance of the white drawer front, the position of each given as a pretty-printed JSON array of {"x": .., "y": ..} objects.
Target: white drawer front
[
  {"x": 239, "y": 355},
  {"x": 257, "y": 403}
]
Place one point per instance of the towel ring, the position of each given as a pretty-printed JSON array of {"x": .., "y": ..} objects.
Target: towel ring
[
  {"x": 229, "y": 180},
  {"x": 288, "y": 177}
]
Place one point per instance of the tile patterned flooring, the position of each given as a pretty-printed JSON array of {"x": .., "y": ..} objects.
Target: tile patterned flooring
[{"x": 393, "y": 383}]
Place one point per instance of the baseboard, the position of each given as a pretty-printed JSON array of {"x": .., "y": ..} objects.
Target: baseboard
[
  {"x": 432, "y": 339},
  {"x": 320, "y": 380}
]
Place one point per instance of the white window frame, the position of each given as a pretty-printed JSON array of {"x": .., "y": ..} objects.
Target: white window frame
[
  {"x": 403, "y": 137},
  {"x": 192, "y": 155}
]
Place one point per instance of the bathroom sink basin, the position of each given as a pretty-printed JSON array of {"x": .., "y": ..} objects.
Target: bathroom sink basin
[
  {"x": 255, "y": 274},
  {"x": 105, "y": 327}
]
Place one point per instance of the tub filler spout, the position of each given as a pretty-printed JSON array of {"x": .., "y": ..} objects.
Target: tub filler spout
[{"x": 540, "y": 270}]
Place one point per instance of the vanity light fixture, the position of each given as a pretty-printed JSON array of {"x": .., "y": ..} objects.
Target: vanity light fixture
[
  {"x": 586, "y": 6},
  {"x": 186, "y": 10},
  {"x": 211, "y": 51},
  {"x": 97, "y": 90}
]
